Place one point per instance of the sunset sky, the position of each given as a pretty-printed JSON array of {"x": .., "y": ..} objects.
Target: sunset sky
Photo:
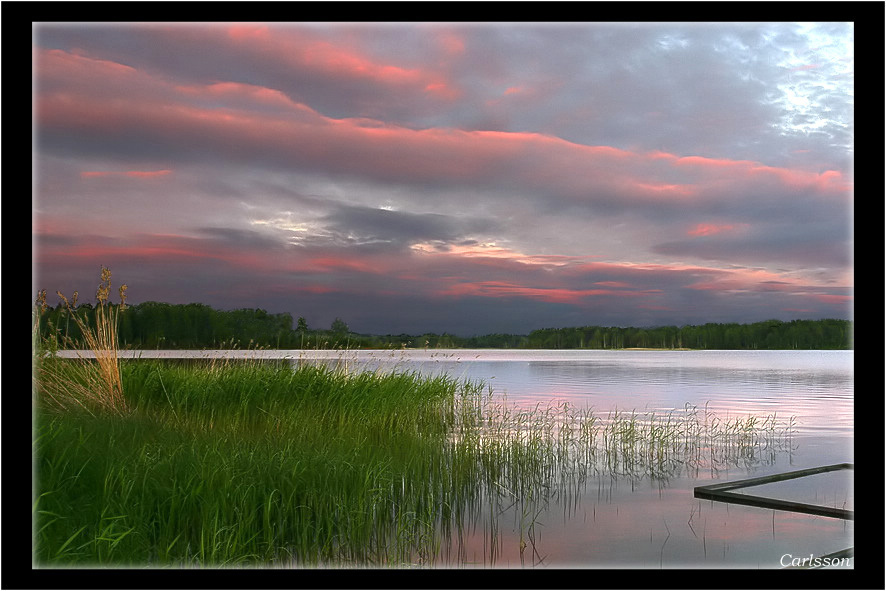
[{"x": 450, "y": 177}]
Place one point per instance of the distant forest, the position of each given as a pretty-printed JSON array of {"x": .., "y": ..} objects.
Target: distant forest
[{"x": 156, "y": 325}]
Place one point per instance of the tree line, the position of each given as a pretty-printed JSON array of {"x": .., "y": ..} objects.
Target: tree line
[
  {"x": 157, "y": 325},
  {"x": 768, "y": 334}
]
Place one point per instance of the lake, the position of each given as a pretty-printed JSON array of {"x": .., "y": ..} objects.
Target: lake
[{"x": 606, "y": 520}]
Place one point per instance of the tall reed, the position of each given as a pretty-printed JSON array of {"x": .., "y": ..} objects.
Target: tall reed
[
  {"x": 94, "y": 382},
  {"x": 252, "y": 462},
  {"x": 264, "y": 463}
]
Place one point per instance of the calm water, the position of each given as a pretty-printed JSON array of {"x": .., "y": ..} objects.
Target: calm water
[{"x": 640, "y": 522}]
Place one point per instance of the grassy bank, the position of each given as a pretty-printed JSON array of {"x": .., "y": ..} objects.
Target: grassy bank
[
  {"x": 273, "y": 463},
  {"x": 215, "y": 463},
  {"x": 262, "y": 463},
  {"x": 249, "y": 462}
]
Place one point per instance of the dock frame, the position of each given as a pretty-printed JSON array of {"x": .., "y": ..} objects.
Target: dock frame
[{"x": 724, "y": 492}]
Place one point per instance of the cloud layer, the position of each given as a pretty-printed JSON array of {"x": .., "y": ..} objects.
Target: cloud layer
[{"x": 461, "y": 178}]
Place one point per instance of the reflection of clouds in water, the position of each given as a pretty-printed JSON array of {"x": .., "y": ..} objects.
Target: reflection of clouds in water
[
  {"x": 816, "y": 387},
  {"x": 830, "y": 489},
  {"x": 629, "y": 522},
  {"x": 623, "y": 527}
]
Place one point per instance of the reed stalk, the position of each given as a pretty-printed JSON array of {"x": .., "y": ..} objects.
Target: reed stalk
[
  {"x": 92, "y": 382},
  {"x": 251, "y": 462}
]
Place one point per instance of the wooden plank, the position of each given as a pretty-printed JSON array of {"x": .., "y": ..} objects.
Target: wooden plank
[
  {"x": 723, "y": 492},
  {"x": 770, "y": 503},
  {"x": 775, "y": 477}
]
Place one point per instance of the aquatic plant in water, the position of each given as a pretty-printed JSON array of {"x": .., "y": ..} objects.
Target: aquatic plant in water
[{"x": 256, "y": 462}]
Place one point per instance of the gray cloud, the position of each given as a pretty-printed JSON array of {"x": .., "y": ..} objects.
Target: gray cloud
[
  {"x": 806, "y": 245},
  {"x": 368, "y": 225},
  {"x": 485, "y": 176}
]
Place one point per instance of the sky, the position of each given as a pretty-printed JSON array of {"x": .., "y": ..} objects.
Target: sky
[{"x": 469, "y": 178}]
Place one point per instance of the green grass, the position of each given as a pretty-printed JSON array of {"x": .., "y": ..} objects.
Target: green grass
[
  {"x": 263, "y": 463},
  {"x": 259, "y": 463},
  {"x": 247, "y": 463}
]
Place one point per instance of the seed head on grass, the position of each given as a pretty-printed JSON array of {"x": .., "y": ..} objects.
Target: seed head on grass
[
  {"x": 104, "y": 288},
  {"x": 39, "y": 309},
  {"x": 40, "y": 302},
  {"x": 93, "y": 384}
]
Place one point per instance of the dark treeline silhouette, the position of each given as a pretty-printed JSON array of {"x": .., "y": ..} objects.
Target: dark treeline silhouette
[
  {"x": 769, "y": 334},
  {"x": 156, "y": 325}
]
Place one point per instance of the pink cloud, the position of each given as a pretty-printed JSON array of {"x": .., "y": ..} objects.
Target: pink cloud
[
  {"x": 834, "y": 299},
  {"x": 442, "y": 90},
  {"x": 741, "y": 280},
  {"x": 500, "y": 289},
  {"x": 302, "y": 51},
  {"x": 247, "y": 92},
  {"x": 51, "y": 64},
  {"x": 620, "y": 284},
  {"x": 825, "y": 181},
  {"x": 746, "y": 170},
  {"x": 666, "y": 190},
  {"x": 154, "y": 249},
  {"x": 125, "y": 173},
  {"x": 373, "y": 148},
  {"x": 451, "y": 42},
  {"x": 247, "y": 32},
  {"x": 704, "y": 162},
  {"x": 330, "y": 263},
  {"x": 706, "y": 229},
  {"x": 567, "y": 281},
  {"x": 491, "y": 253},
  {"x": 485, "y": 272},
  {"x": 762, "y": 281}
]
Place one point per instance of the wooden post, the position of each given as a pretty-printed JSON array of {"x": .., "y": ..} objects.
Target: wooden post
[{"x": 723, "y": 492}]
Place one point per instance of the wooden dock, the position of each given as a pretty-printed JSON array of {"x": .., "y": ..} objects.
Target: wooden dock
[{"x": 725, "y": 492}]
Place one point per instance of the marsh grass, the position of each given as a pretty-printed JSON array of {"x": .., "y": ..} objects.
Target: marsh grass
[
  {"x": 250, "y": 462},
  {"x": 282, "y": 463},
  {"x": 93, "y": 383}
]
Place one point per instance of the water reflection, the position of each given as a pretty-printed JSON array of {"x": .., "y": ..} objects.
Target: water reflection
[
  {"x": 814, "y": 387},
  {"x": 630, "y": 516},
  {"x": 638, "y": 511},
  {"x": 615, "y": 523}
]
